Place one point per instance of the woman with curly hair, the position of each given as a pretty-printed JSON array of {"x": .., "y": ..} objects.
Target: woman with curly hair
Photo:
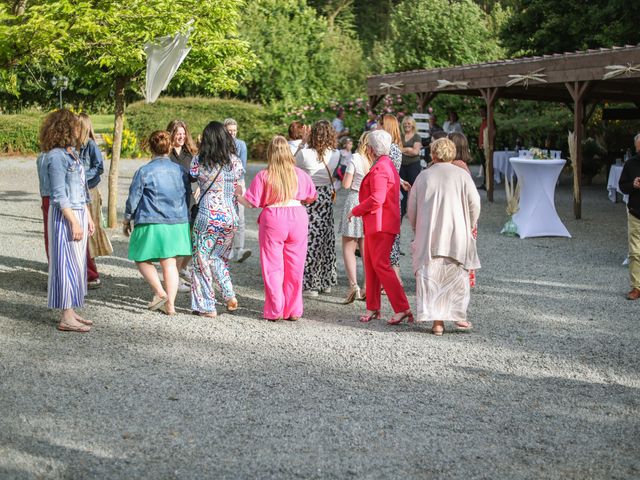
[
  {"x": 319, "y": 160},
  {"x": 69, "y": 220},
  {"x": 281, "y": 190},
  {"x": 217, "y": 170}
]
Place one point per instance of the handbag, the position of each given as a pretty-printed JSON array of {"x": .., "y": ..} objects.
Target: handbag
[
  {"x": 333, "y": 189},
  {"x": 341, "y": 168},
  {"x": 195, "y": 208}
]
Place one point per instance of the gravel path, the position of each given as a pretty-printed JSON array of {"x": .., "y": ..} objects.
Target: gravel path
[{"x": 546, "y": 386}]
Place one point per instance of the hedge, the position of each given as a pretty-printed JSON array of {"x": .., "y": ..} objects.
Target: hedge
[
  {"x": 256, "y": 124},
  {"x": 19, "y": 133}
]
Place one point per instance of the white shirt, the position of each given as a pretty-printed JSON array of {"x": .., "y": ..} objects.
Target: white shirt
[
  {"x": 307, "y": 160},
  {"x": 356, "y": 168}
]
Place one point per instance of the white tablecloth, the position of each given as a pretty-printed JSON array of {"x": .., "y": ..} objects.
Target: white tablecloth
[
  {"x": 612, "y": 183},
  {"x": 537, "y": 216},
  {"x": 501, "y": 165}
]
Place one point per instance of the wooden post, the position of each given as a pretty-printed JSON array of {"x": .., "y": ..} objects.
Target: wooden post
[
  {"x": 489, "y": 95},
  {"x": 577, "y": 91},
  {"x": 424, "y": 98},
  {"x": 374, "y": 100}
]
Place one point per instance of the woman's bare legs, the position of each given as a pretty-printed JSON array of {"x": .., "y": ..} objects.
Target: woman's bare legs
[
  {"x": 171, "y": 281},
  {"x": 150, "y": 274}
]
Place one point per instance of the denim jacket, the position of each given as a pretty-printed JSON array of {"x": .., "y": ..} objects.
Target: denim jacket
[
  {"x": 67, "y": 180},
  {"x": 43, "y": 175},
  {"x": 159, "y": 193},
  {"x": 93, "y": 163}
]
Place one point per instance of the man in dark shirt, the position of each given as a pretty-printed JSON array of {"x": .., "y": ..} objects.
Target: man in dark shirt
[{"x": 630, "y": 185}]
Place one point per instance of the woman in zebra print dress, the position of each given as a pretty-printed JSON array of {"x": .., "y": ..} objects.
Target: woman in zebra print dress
[{"x": 69, "y": 219}]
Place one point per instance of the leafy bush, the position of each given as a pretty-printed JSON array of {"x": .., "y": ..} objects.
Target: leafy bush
[
  {"x": 130, "y": 146},
  {"x": 257, "y": 124},
  {"x": 19, "y": 133}
]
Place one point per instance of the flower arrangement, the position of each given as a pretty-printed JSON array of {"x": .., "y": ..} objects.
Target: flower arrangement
[
  {"x": 539, "y": 154},
  {"x": 512, "y": 191}
]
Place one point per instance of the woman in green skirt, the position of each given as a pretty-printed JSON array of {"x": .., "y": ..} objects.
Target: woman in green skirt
[{"x": 157, "y": 205}]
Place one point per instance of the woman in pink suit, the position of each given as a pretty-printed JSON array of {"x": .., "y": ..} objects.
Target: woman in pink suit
[
  {"x": 380, "y": 211},
  {"x": 280, "y": 191}
]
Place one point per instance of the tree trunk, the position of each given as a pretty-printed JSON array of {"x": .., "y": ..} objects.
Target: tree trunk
[
  {"x": 19, "y": 7},
  {"x": 118, "y": 124}
]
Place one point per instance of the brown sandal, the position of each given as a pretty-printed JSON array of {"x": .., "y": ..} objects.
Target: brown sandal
[{"x": 65, "y": 327}]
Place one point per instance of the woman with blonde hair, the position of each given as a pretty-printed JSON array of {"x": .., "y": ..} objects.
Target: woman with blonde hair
[
  {"x": 444, "y": 205},
  {"x": 69, "y": 222},
  {"x": 389, "y": 123},
  {"x": 281, "y": 190},
  {"x": 319, "y": 159},
  {"x": 352, "y": 231},
  {"x": 99, "y": 244}
]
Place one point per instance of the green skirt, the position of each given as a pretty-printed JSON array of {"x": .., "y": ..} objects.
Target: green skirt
[{"x": 151, "y": 242}]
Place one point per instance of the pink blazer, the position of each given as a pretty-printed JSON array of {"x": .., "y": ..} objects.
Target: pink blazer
[{"x": 380, "y": 198}]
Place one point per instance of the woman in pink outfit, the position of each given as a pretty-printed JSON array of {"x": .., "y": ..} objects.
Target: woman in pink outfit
[{"x": 280, "y": 191}]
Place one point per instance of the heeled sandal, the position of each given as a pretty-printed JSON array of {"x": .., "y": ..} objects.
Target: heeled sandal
[
  {"x": 397, "y": 321},
  {"x": 437, "y": 330},
  {"x": 354, "y": 294},
  {"x": 367, "y": 318}
]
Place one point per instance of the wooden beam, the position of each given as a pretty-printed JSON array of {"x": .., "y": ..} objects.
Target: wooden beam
[
  {"x": 489, "y": 95},
  {"x": 577, "y": 90},
  {"x": 424, "y": 98},
  {"x": 589, "y": 109}
]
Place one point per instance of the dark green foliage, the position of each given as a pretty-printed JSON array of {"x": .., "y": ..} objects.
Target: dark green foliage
[
  {"x": 550, "y": 26},
  {"x": 257, "y": 124},
  {"x": 19, "y": 133}
]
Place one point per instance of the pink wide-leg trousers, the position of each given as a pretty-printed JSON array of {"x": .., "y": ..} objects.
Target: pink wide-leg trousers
[{"x": 282, "y": 234}]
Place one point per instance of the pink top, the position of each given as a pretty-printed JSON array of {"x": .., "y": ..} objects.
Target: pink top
[{"x": 258, "y": 192}]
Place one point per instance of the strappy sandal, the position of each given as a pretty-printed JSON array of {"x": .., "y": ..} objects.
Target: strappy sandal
[
  {"x": 464, "y": 326},
  {"x": 437, "y": 330},
  {"x": 367, "y": 318},
  {"x": 397, "y": 321},
  {"x": 65, "y": 327},
  {"x": 208, "y": 314},
  {"x": 292, "y": 319},
  {"x": 156, "y": 303},
  {"x": 354, "y": 294},
  {"x": 166, "y": 311}
]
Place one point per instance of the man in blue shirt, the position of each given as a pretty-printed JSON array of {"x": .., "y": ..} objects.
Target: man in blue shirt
[{"x": 239, "y": 253}]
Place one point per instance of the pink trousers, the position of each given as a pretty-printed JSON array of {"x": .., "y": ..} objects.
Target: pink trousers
[{"x": 282, "y": 234}]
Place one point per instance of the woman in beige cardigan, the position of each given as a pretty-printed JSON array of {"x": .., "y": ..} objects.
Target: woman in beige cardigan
[{"x": 443, "y": 208}]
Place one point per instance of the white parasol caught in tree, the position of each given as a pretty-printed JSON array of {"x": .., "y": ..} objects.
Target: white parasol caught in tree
[{"x": 164, "y": 56}]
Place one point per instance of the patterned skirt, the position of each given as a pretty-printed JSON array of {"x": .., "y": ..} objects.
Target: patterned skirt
[
  {"x": 320, "y": 270},
  {"x": 354, "y": 227},
  {"x": 67, "y": 284},
  {"x": 442, "y": 291}
]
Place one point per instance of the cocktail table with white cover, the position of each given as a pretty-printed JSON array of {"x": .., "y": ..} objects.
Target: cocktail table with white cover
[
  {"x": 537, "y": 216},
  {"x": 501, "y": 165},
  {"x": 612, "y": 184}
]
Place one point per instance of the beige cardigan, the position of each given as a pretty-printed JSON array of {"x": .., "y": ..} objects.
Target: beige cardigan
[{"x": 443, "y": 208}]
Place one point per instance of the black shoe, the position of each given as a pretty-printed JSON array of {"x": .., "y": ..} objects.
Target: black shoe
[{"x": 357, "y": 252}]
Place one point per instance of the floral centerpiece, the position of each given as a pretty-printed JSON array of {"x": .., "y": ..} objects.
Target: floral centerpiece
[{"x": 539, "y": 154}]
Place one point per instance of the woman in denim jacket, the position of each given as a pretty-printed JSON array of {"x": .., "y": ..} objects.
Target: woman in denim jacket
[
  {"x": 99, "y": 244},
  {"x": 157, "y": 204},
  {"x": 69, "y": 220}
]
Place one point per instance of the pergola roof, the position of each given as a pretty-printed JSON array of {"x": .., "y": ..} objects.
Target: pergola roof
[{"x": 541, "y": 78}]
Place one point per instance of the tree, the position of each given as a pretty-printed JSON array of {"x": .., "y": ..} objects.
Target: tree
[
  {"x": 547, "y": 26},
  {"x": 436, "y": 33},
  {"x": 103, "y": 43},
  {"x": 303, "y": 57}
]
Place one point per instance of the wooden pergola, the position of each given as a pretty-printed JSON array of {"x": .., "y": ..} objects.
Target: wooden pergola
[{"x": 580, "y": 80}]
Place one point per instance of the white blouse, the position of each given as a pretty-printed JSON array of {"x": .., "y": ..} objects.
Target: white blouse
[{"x": 307, "y": 160}]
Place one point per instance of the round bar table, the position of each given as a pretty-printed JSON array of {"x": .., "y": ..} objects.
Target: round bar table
[{"x": 537, "y": 216}]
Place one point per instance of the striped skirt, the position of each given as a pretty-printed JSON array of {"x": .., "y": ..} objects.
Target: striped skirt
[{"x": 67, "y": 261}]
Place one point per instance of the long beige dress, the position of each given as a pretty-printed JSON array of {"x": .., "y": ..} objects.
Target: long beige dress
[{"x": 443, "y": 207}]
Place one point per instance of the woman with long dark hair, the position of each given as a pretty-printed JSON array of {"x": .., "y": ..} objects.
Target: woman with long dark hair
[
  {"x": 217, "y": 170},
  {"x": 319, "y": 160}
]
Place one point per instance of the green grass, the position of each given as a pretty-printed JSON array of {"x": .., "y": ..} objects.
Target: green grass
[{"x": 102, "y": 123}]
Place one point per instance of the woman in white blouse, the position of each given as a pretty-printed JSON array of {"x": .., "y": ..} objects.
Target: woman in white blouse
[
  {"x": 352, "y": 231},
  {"x": 319, "y": 160}
]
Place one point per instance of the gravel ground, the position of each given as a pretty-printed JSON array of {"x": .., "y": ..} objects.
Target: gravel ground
[{"x": 546, "y": 386}]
